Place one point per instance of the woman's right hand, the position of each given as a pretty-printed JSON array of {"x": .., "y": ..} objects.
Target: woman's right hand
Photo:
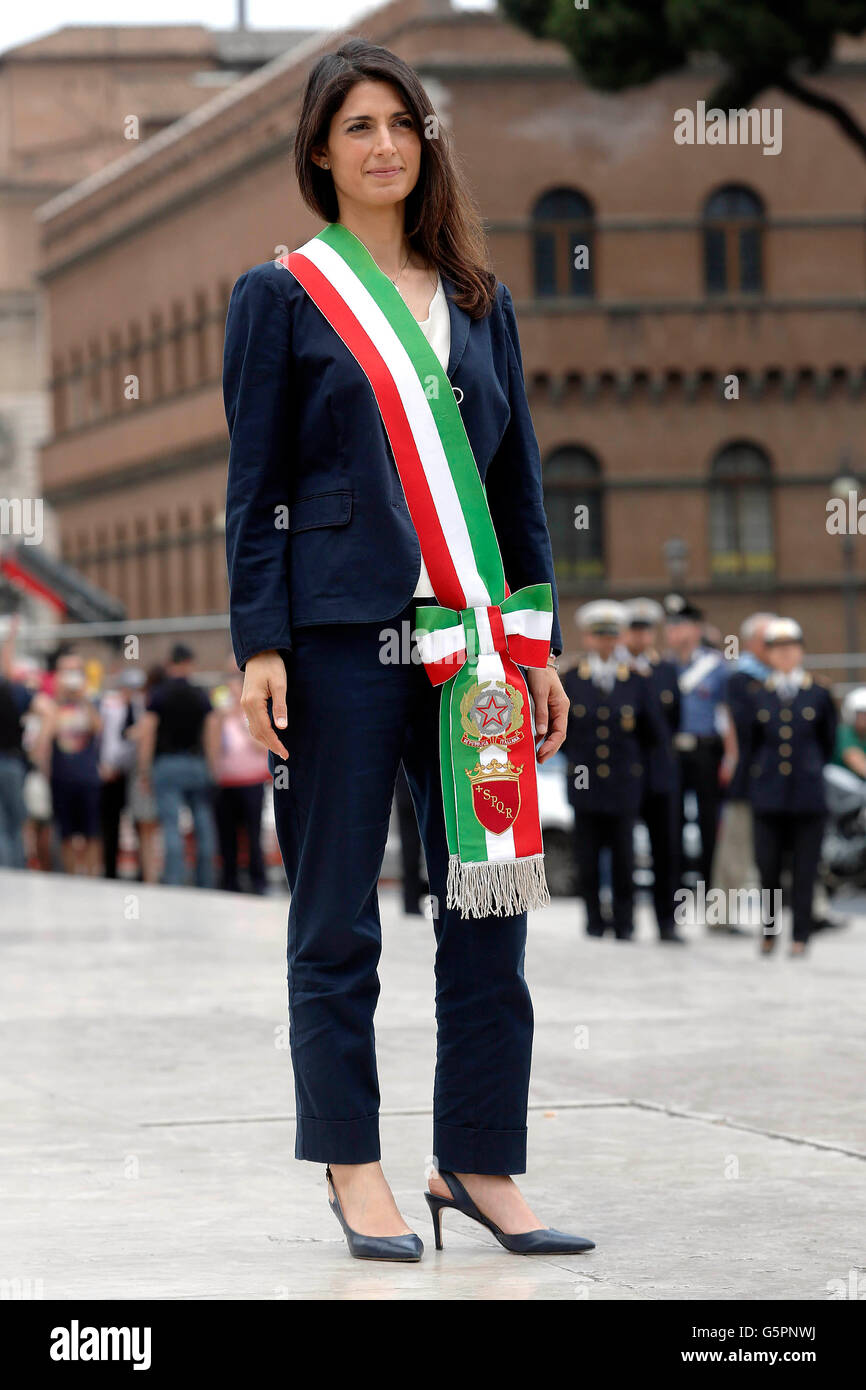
[{"x": 265, "y": 676}]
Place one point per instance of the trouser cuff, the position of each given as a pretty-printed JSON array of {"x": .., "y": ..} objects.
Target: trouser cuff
[
  {"x": 479, "y": 1150},
  {"x": 338, "y": 1141}
]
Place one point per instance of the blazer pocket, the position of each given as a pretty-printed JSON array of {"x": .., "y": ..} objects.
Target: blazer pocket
[{"x": 320, "y": 509}]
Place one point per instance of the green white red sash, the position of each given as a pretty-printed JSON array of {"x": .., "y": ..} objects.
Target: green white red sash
[{"x": 471, "y": 643}]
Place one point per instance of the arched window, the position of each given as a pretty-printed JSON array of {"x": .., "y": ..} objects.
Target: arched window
[
  {"x": 574, "y": 504},
  {"x": 733, "y": 219},
  {"x": 741, "y": 512},
  {"x": 562, "y": 244}
]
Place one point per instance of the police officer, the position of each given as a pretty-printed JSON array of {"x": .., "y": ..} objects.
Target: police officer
[
  {"x": 613, "y": 723},
  {"x": 659, "y": 807},
  {"x": 792, "y": 735},
  {"x": 700, "y": 742}
]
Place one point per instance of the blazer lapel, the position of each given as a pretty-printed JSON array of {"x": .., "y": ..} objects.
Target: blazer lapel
[{"x": 459, "y": 326}]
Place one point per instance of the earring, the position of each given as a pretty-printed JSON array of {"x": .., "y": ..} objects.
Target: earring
[{"x": 325, "y": 164}]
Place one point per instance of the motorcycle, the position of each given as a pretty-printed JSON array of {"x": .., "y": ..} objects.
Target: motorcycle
[{"x": 843, "y": 852}]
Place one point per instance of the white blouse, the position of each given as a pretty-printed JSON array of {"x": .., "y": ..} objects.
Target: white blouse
[{"x": 437, "y": 330}]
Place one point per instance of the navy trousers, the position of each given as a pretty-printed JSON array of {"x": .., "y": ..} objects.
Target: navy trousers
[{"x": 352, "y": 717}]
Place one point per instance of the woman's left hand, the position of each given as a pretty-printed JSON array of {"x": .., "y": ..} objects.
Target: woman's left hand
[{"x": 551, "y": 708}]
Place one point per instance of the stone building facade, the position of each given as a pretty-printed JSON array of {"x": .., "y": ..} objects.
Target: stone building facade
[
  {"x": 696, "y": 372},
  {"x": 72, "y": 103}
]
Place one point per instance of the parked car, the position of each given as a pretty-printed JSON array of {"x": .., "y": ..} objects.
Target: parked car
[{"x": 557, "y": 826}]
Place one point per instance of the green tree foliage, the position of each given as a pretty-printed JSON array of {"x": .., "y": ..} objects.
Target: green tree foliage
[{"x": 761, "y": 43}]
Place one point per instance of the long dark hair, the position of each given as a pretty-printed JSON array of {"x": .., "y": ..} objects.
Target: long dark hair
[{"x": 443, "y": 223}]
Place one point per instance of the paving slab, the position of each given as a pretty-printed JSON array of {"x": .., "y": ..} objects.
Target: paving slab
[{"x": 697, "y": 1111}]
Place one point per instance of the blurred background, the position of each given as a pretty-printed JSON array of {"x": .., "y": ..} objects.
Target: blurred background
[{"x": 696, "y": 372}]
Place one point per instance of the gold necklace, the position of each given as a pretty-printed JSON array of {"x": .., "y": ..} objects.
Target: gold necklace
[{"x": 395, "y": 278}]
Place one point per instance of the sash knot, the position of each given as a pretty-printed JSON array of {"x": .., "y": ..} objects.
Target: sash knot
[{"x": 518, "y": 628}]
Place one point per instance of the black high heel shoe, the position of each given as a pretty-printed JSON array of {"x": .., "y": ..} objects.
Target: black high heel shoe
[
  {"x": 408, "y": 1248},
  {"x": 542, "y": 1242}
]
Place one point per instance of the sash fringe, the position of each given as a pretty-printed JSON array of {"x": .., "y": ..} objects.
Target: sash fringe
[{"x": 497, "y": 887}]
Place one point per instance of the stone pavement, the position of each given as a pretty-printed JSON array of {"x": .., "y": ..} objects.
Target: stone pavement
[{"x": 698, "y": 1111}]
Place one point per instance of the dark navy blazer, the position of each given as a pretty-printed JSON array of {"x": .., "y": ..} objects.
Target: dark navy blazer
[
  {"x": 662, "y": 772},
  {"x": 789, "y": 743},
  {"x": 306, "y": 434},
  {"x": 742, "y": 691},
  {"x": 612, "y": 736}
]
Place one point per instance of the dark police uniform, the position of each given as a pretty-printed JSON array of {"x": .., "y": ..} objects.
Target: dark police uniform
[
  {"x": 790, "y": 740},
  {"x": 742, "y": 690},
  {"x": 610, "y": 735},
  {"x": 660, "y": 804}
]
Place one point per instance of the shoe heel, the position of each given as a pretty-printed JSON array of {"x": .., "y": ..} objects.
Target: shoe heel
[{"x": 436, "y": 1204}]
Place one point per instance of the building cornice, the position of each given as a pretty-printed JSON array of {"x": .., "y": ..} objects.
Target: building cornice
[
  {"x": 633, "y": 385},
  {"x": 205, "y": 455}
]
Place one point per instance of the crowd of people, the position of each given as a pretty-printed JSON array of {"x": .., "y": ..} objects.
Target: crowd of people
[
  {"x": 143, "y": 743},
  {"x": 660, "y": 708}
]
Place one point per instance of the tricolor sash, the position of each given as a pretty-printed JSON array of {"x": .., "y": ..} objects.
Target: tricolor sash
[{"x": 471, "y": 643}]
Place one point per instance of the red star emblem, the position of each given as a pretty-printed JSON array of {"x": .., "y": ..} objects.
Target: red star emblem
[{"x": 492, "y": 712}]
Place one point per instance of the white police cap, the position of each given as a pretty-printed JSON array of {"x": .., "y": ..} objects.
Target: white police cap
[
  {"x": 603, "y": 617},
  {"x": 644, "y": 612},
  {"x": 782, "y": 630},
  {"x": 854, "y": 704}
]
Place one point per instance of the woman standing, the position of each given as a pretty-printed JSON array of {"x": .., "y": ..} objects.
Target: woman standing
[
  {"x": 384, "y": 478},
  {"x": 791, "y": 738},
  {"x": 67, "y": 752}
]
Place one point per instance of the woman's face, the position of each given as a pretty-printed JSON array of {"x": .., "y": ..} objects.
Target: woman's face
[
  {"x": 602, "y": 642},
  {"x": 372, "y": 133},
  {"x": 785, "y": 656}
]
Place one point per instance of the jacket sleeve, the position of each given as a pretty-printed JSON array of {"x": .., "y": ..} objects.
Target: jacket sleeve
[
  {"x": 739, "y": 702},
  {"x": 514, "y": 487},
  {"x": 752, "y": 730},
  {"x": 651, "y": 726},
  {"x": 259, "y": 413},
  {"x": 676, "y": 712}
]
